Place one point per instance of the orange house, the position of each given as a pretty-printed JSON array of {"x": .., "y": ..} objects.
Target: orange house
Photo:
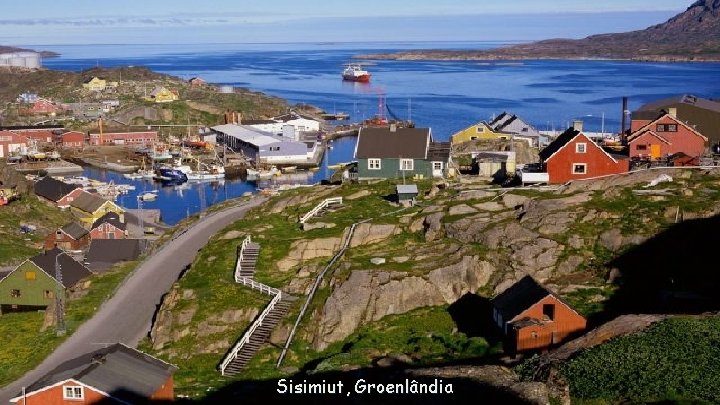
[
  {"x": 113, "y": 375},
  {"x": 665, "y": 136},
  {"x": 574, "y": 156},
  {"x": 533, "y": 318}
]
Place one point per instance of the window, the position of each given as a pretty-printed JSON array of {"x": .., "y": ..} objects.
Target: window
[
  {"x": 641, "y": 147},
  {"x": 58, "y": 235},
  {"x": 579, "y": 168},
  {"x": 472, "y": 138},
  {"x": 274, "y": 148},
  {"x": 407, "y": 164},
  {"x": 111, "y": 235},
  {"x": 437, "y": 165},
  {"x": 15, "y": 294},
  {"x": 580, "y": 147},
  {"x": 533, "y": 334},
  {"x": 72, "y": 392},
  {"x": 30, "y": 275},
  {"x": 480, "y": 129},
  {"x": 549, "y": 312},
  {"x": 374, "y": 164},
  {"x": 671, "y": 127},
  {"x": 525, "y": 129},
  {"x": 48, "y": 295},
  {"x": 660, "y": 128}
]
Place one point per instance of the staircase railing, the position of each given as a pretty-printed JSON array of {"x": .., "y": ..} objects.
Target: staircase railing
[
  {"x": 248, "y": 282},
  {"x": 248, "y": 334},
  {"x": 319, "y": 207},
  {"x": 314, "y": 288},
  {"x": 244, "y": 244}
]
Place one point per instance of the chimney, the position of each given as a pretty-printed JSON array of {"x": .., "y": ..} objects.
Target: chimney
[
  {"x": 625, "y": 112},
  {"x": 578, "y": 125},
  {"x": 122, "y": 217},
  {"x": 673, "y": 112},
  {"x": 393, "y": 127}
]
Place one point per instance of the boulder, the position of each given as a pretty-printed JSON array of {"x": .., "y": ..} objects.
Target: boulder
[
  {"x": 570, "y": 265},
  {"x": 309, "y": 226},
  {"x": 366, "y": 234},
  {"x": 303, "y": 250},
  {"x": 370, "y": 295},
  {"x": 474, "y": 195},
  {"x": 514, "y": 200},
  {"x": 461, "y": 209},
  {"x": 433, "y": 226},
  {"x": 378, "y": 260},
  {"x": 490, "y": 206}
]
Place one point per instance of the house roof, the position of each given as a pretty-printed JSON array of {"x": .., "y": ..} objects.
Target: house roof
[
  {"x": 258, "y": 122},
  {"x": 53, "y": 189},
  {"x": 565, "y": 138},
  {"x": 519, "y": 297},
  {"x": 632, "y": 138},
  {"x": 406, "y": 189},
  {"x": 111, "y": 218},
  {"x": 123, "y": 373},
  {"x": 114, "y": 250},
  {"x": 499, "y": 119},
  {"x": 410, "y": 143},
  {"x": 4, "y": 274},
  {"x": 72, "y": 271},
  {"x": 677, "y": 120},
  {"x": 249, "y": 134},
  {"x": 439, "y": 151},
  {"x": 88, "y": 202},
  {"x": 74, "y": 230}
]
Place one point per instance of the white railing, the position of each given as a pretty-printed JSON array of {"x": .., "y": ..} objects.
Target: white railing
[
  {"x": 315, "y": 286},
  {"x": 248, "y": 334},
  {"x": 244, "y": 244},
  {"x": 248, "y": 282},
  {"x": 325, "y": 203}
]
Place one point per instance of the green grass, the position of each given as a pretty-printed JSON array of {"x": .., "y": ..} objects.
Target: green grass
[
  {"x": 675, "y": 360},
  {"x": 23, "y": 346},
  {"x": 16, "y": 246},
  {"x": 426, "y": 335}
]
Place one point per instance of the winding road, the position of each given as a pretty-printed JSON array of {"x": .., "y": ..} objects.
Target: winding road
[{"x": 127, "y": 316}]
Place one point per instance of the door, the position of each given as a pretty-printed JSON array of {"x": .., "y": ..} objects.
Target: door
[{"x": 655, "y": 151}]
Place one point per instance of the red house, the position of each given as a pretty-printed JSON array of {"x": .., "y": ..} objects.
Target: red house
[
  {"x": 665, "y": 136},
  {"x": 124, "y": 138},
  {"x": 109, "y": 226},
  {"x": 197, "y": 81},
  {"x": 73, "y": 140},
  {"x": 574, "y": 156},
  {"x": 113, "y": 375},
  {"x": 70, "y": 237},
  {"x": 532, "y": 317},
  {"x": 43, "y": 106},
  {"x": 10, "y": 143}
]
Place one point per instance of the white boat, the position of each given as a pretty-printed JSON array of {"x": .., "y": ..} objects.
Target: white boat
[
  {"x": 149, "y": 196},
  {"x": 146, "y": 174},
  {"x": 133, "y": 176},
  {"x": 214, "y": 173},
  {"x": 355, "y": 73}
]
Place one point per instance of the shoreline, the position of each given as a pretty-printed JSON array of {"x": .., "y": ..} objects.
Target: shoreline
[{"x": 504, "y": 58}]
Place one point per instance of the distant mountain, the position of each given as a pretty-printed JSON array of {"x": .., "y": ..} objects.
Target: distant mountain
[
  {"x": 9, "y": 49},
  {"x": 693, "y": 35}
]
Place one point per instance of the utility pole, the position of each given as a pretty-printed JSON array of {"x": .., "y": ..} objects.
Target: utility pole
[
  {"x": 59, "y": 298},
  {"x": 140, "y": 216}
]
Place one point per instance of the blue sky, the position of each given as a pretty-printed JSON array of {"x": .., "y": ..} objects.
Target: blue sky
[{"x": 168, "y": 21}]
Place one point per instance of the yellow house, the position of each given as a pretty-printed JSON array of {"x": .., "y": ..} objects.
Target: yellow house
[
  {"x": 90, "y": 207},
  {"x": 163, "y": 95},
  {"x": 98, "y": 84},
  {"x": 480, "y": 130}
]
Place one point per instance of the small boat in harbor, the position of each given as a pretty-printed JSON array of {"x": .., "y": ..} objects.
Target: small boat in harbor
[
  {"x": 170, "y": 174},
  {"x": 289, "y": 169},
  {"x": 214, "y": 172},
  {"x": 355, "y": 73},
  {"x": 149, "y": 196},
  {"x": 133, "y": 176}
]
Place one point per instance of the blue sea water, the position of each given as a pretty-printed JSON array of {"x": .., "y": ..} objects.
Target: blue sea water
[{"x": 446, "y": 96}]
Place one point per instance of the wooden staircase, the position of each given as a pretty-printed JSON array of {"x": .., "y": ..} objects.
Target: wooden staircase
[
  {"x": 259, "y": 331},
  {"x": 321, "y": 208}
]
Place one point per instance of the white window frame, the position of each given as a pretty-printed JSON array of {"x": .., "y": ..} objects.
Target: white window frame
[
  {"x": 480, "y": 130},
  {"x": 584, "y": 165},
  {"x": 374, "y": 164},
  {"x": 581, "y": 147},
  {"x": 73, "y": 390},
  {"x": 407, "y": 167},
  {"x": 435, "y": 165}
]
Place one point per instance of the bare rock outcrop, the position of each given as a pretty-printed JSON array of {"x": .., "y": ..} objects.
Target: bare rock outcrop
[
  {"x": 366, "y": 234},
  {"x": 433, "y": 226},
  {"x": 303, "y": 250},
  {"x": 370, "y": 295}
]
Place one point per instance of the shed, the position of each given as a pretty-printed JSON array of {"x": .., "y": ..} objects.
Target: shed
[{"x": 406, "y": 193}]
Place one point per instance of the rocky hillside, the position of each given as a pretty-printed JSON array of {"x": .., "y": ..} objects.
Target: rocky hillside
[
  {"x": 8, "y": 49},
  {"x": 693, "y": 35},
  {"x": 197, "y": 104},
  {"x": 425, "y": 303}
]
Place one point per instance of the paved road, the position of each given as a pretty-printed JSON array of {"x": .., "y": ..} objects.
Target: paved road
[{"x": 127, "y": 316}]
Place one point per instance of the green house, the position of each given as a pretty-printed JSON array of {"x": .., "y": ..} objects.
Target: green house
[
  {"x": 386, "y": 153},
  {"x": 32, "y": 284}
]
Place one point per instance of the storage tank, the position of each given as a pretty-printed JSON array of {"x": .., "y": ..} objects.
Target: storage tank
[
  {"x": 5, "y": 59},
  {"x": 227, "y": 89},
  {"x": 31, "y": 60},
  {"x": 17, "y": 60}
]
